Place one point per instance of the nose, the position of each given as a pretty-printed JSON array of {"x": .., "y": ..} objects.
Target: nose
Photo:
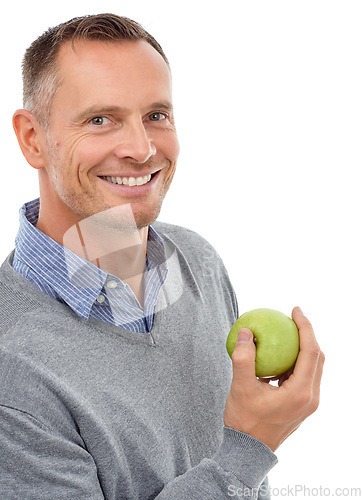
[{"x": 135, "y": 143}]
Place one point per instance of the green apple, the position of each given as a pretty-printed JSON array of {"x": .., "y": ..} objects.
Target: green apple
[{"x": 277, "y": 340}]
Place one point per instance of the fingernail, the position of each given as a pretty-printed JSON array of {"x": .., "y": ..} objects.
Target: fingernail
[
  {"x": 244, "y": 336},
  {"x": 301, "y": 312}
]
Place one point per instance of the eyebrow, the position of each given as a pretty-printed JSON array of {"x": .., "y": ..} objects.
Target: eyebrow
[
  {"x": 95, "y": 110},
  {"x": 166, "y": 105}
]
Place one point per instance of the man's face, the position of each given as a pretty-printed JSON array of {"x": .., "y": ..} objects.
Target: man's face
[{"x": 111, "y": 126}]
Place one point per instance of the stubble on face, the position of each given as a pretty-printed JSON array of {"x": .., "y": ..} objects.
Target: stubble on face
[
  {"x": 77, "y": 155},
  {"x": 89, "y": 201}
]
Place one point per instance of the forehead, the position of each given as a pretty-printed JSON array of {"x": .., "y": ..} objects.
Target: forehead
[{"x": 117, "y": 69}]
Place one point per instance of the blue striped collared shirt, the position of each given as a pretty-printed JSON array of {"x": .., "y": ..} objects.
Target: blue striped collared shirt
[{"x": 87, "y": 289}]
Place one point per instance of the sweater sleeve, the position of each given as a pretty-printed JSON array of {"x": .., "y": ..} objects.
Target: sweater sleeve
[
  {"x": 239, "y": 469},
  {"x": 38, "y": 463}
]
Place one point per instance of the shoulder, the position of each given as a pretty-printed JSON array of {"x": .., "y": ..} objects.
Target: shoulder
[
  {"x": 24, "y": 306},
  {"x": 187, "y": 240},
  {"x": 198, "y": 255},
  {"x": 174, "y": 229}
]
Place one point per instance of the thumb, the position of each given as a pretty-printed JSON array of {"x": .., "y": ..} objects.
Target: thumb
[{"x": 243, "y": 358}]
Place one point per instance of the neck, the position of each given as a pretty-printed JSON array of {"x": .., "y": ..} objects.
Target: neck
[
  {"x": 127, "y": 262},
  {"x": 118, "y": 249}
]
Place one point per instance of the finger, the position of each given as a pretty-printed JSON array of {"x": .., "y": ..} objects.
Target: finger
[
  {"x": 285, "y": 376},
  {"x": 243, "y": 359},
  {"x": 319, "y": 371},
  {"x": 318, "y": 377},
  {"x": 308, "y": 357}
]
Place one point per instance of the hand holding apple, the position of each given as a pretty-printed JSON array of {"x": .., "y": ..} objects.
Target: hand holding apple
[
  {"x": 277, "y": 340},
  {"x": 271, "y": 413}
]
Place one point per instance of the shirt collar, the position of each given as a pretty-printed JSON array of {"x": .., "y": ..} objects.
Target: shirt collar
[{"x": 74, "y": 279}]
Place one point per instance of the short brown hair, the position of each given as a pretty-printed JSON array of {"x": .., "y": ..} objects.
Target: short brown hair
[{"x": 41, "y": 78}]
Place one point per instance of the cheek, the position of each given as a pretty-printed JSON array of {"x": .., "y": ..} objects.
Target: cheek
[
  {"x": 169, "y": 176},
  {"x": 174, "y": 148},
  {"x": 86, "y": 153},
  {"x": 169, "y": 146},
  {"x": 171, "y": 153}
]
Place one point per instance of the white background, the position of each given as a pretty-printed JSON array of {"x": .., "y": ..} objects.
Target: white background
[{"x": 269, "y": 112}]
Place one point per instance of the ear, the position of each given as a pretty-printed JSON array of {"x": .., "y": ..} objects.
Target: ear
[{"x": 30, "y": 136}]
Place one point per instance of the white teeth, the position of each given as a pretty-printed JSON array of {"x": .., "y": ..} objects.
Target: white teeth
[{"x": 129, "y": 181}]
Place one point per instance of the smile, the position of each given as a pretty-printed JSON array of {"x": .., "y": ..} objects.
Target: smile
[{"x": 128, "y": 181}]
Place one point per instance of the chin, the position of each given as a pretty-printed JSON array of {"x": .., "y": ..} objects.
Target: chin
[
  {"x": 125, "y": 217},
  {"x": 143, "y": 219}
]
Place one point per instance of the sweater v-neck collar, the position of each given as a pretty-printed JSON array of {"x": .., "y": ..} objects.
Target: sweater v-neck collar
[{"x": 28, "y": 299}]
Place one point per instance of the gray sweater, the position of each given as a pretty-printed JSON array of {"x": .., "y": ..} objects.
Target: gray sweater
[{"x": 89, "y": 410}]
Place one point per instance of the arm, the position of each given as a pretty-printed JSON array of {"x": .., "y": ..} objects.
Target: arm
[
  {"x": 257, "y": 410},
  {"x": 42, "y": 462},
  {"x": 237, "y": 470},
  {"x": 38, "y": 462}
]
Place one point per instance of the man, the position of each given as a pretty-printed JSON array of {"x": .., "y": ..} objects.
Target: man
[{"x": 115, "y": 377}]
